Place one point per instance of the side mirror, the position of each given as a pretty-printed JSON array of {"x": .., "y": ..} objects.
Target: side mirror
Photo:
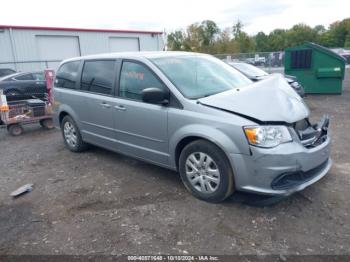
[{"x": 155, "y": 95}]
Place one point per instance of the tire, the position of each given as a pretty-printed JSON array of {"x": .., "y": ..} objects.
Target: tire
[
  {"x": 213, "y": 183},
  {"x": 15, "y": 129},
  {"x": 47, "y": 123},
  {"x": 71, "y": 135}
]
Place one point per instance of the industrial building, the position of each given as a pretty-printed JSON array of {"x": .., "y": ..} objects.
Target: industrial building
[{"x": 25, "y": 48}]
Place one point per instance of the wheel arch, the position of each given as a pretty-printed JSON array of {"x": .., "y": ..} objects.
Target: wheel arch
[
  {"x": 182, "y": 138},
  {"x": 63, "y": 111},
  {"x": 61, "y": 116}
]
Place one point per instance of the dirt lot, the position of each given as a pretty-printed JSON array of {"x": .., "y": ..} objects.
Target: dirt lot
[{"x": 104, "y": 203}]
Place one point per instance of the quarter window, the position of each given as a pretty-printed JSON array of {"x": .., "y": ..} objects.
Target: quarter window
[
  {"x": 134, "y": 78},
  {"x": 67, "y": 75},
  {"x": 98, "y": 76}
]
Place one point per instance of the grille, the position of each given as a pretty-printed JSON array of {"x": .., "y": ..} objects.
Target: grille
[
  {"x": 292, "y": 179},
  {"x": 312, "y": 135}
]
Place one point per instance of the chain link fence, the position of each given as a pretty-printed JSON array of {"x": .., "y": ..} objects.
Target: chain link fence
[
  {"x": 268, "y": 61},
  {"x": 271, "y": 62}
]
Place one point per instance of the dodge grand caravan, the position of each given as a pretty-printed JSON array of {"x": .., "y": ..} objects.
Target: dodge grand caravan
[{"x": 195, "y": 114}]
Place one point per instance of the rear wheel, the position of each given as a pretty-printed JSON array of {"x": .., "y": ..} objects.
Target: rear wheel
[
  {"x": 71, "y": 135},
  {"x": 15, "y": 129},
  {"x": 206, "y": 171}
]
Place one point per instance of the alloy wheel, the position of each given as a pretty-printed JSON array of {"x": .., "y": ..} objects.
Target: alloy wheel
[{"x": 202, "y": 172}]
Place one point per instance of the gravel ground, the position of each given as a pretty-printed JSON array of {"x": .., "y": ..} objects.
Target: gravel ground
[{"x": 99, "y": 202}]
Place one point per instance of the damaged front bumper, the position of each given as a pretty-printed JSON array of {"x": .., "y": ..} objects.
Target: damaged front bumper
[{"x": 287, "y": 168}]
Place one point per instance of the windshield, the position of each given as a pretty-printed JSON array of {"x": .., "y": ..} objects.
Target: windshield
[
  {"x": 347, "y": 58},
  {"x": 249, "y": 70},
  {"x": 197, "y": 76}
]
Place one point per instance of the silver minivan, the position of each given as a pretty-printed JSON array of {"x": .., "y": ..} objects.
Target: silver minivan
[{"x": 195, "y": 114}]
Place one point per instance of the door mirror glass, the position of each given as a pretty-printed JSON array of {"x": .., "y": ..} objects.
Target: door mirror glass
[{"x": 155, "y": 95}]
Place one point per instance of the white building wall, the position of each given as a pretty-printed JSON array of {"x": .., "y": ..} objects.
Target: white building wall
[
  {"x": 6, "y": 53},
  {"x": 25, "y": 45}
]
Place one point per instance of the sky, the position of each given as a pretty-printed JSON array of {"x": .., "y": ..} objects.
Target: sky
[{"x": 160, "y": 15}]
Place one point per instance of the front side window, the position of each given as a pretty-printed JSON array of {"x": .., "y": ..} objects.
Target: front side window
[
  {"x": 98, "y": 76},
  {"x": 135, "y": 78},
  {"x": 67, "y": 75},
  {"x": 197, "y": 76},
  {"x": 24, "y": 77}
]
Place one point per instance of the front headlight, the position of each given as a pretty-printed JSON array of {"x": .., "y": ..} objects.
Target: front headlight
[{"x": 267, "y": 136}]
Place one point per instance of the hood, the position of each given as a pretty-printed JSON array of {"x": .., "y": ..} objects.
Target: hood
[{"x": 269, "y": 100}]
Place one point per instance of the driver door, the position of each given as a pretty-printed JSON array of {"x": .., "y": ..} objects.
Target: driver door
[{"x": 141, "y": 128}]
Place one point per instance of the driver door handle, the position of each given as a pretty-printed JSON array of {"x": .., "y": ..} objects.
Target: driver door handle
[{"x": 120, "y": 107}]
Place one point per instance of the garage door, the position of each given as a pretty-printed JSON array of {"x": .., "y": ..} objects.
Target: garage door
[
  {"x": 57, "y": 48},
  {"x": 123, "y": 44}
]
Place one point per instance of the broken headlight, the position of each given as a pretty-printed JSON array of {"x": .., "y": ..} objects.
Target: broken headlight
[{"x": 267, "y": 136}]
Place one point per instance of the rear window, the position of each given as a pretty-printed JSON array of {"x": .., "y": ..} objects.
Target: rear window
[
  {"x": 6, "y": 71},
  {"x": 39, "y": 76},
  {"x": 98, "y": 76},
  {"x": 67, "y": 75}
]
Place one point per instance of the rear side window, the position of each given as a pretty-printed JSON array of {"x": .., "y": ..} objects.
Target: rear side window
[
  {"x": 25, "y": 77},
  {"x": 134, "y": 78},
  {"x": 67, "y": 75},
  {"x": 301, "y": 59},
  {"x": 98, "y": 76},
  {"x": 39, "y": 76}
]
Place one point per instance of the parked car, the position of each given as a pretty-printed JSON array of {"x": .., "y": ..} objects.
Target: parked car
[
  {"x": 257, "y": 60},
  {"x": 276, "y": 59},
  {"x": 195, "y": 114},
  {"x": 6, "y": 71},
  {"x": 346, "y": 55},
  {"x": 28, "y": 84},
  {"x": 256, "y": 74}
]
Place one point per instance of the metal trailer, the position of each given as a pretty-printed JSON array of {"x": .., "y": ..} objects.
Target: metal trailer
[{"x": 15, "y": 114}]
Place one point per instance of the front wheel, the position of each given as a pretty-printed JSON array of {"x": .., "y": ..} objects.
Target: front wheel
[
  {"x": 71, "y": 135},
  {"x": 206, "y": 171},
  {"x": 15, "y": 129}
]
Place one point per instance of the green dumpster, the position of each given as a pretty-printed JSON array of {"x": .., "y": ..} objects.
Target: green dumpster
[{"x": 318, "y": 69}]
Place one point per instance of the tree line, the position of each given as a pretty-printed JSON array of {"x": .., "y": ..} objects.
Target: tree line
[{"x": 207, "y": 37}]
